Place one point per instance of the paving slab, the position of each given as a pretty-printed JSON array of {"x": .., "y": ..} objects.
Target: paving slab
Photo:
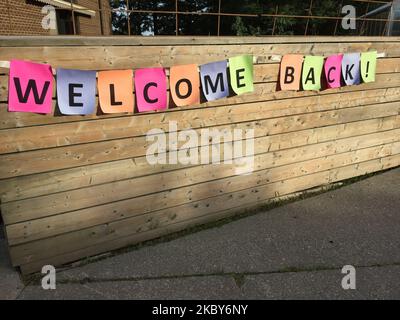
[
  {"x": 212, "y": 287},
  {"x": 371, "y": 283},
  {"x": 358, "y": 225},
  {"x": 10, "y": 281},
  {"x": 62, "y": 292}
]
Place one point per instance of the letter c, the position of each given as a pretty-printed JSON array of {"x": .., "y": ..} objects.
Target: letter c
[
  {"x": 146, "y": 92},
  {"x": 329, "y": 74}
]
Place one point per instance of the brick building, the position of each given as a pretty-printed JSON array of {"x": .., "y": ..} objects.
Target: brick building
[{"x": 84, "y": 17}]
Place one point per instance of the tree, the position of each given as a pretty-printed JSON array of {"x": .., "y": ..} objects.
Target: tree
[{"x": 147, "y": 23}]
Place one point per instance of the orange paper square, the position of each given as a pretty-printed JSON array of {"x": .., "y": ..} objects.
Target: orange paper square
[{"x": 116, "y": 91}]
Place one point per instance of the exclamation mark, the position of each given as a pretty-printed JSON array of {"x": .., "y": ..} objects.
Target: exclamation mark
[{"x": 366, "y": 73}]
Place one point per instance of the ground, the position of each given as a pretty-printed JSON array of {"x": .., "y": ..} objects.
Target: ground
[{"x": 295, "y": 251}]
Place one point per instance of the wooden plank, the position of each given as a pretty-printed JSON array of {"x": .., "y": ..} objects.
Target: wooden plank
[
  {"x": 55, "y": 167},
  {"x": 262, "y": 92},
  {"x": 40, "y": 41},
  {"x": 45, "y": 160},
  {"x": 338, "y": 96},
  {"x": 61, "y": 244},
  {"x": 263, "y": 73},
  {"x": 47, "y": 227},
  {"x": 153, "y": 234},
  {"x": 104, "y": 57},
  {"x": 124, "y": 194},
  {"x": 47, "y": 183},
  {"x": 33, "y": 138},
  {"x": 121, "y": 242}
]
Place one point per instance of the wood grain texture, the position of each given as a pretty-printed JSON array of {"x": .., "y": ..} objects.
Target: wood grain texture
[
  {"x": 98, "y": 235},
  {"x": 25, "y": 187},
  {"x": 50, "y": 226},
  {"x": 263, "y": 73},
  {"x": 17, "y": 164},
  {"x": 38, "y": 41},
  {"x": 325, "y": 178},
  {"x": 129, "y": 188},
  {"x": 76, "y": 186}
]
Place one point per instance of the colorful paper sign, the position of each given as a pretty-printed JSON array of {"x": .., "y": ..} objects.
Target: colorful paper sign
[
  {"x": 76, "y": 91},
  {"x": 31, "y": 84},
  {"x": 30, "y": 87},
  {"x": 184, "y": 84},
  {"x": 151, "y": 89},
  {"x": 290, "y": 71},
  {"x": 333, "y": 71},
  {"x": 351, "y": 68},
  {"x": 241, "y": 73},
  {"x": 312, "y": 70},
  {"x": 214, "y": 80},
  {"x": 368, "y": 65},
  {"x": 116, "y": 91}
]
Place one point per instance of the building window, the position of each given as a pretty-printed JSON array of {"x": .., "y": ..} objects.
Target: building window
[{"x": 65, "y": 23}]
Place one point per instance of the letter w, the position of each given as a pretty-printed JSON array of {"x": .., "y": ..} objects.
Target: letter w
[{"x": 23, "y": 98}]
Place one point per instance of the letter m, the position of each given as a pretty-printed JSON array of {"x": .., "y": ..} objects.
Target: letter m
[{"x": 214, "y": 86}]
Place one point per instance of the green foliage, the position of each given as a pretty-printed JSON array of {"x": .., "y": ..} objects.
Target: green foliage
[
  {"x": 239, "y": 27},
  {"x": 197, "y": 24}
]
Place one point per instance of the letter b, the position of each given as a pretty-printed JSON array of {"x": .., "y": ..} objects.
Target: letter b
[{"x": 289, "y": 75}]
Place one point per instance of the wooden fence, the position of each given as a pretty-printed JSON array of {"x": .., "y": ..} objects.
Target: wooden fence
[{"x": 77, "y": 186}]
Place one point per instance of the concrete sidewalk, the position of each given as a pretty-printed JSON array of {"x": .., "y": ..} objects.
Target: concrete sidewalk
[{"x": 294, "y": 251}]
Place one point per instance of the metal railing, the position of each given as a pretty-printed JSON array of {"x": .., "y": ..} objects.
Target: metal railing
[{"x": 215, "y": 17}]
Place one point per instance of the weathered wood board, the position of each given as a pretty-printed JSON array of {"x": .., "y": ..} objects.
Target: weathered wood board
[{"x": 76, "y": 186}]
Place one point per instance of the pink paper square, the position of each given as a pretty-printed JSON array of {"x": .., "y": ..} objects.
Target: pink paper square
[
  {"x": 23, "y": 72},
  {"x": 333, "y": 71},
  {"x": 151, "y": 89}
]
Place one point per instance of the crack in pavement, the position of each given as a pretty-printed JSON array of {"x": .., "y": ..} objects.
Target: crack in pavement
[
  {"x": 235, "y": 275},
  {"x": 22, "y": 290}
]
